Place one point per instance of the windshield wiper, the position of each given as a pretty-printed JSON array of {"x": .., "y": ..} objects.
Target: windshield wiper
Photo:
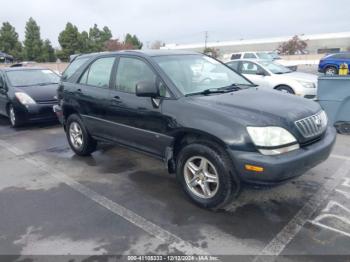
[
  {"x": 221, "y": 90},
  {"x": 208, "y": 92}
]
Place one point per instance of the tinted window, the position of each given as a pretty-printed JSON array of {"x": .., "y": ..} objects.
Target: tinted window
[
  {"x": 73, "y": 67},
  {"x": 249, "y": 56},
  {"x": 98, "y": 73},
  {"x": 235, "y": 56},
  {"x": 250, "y": 68},
  {"x": 233, "y": 65},
  {"x": 130, "y": 71},
  {"x": 32, "y": 77}
]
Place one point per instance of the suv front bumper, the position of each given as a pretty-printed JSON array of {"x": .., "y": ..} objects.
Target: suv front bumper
[{"x": 280, "y": 168}]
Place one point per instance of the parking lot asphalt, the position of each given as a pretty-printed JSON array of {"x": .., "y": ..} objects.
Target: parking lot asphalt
[{"x": 119, "y": 202}]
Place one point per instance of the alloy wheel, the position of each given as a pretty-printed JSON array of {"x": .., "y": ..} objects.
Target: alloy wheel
[
  {"x": 331, "y": 71},
  {"x": 12, "y": 116},
  {"x": 76, "y": 135},
  {"x": 201, "y": 177}
]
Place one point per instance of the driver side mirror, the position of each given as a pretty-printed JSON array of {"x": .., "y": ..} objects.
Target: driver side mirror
[{"x": 147, "y": 89}]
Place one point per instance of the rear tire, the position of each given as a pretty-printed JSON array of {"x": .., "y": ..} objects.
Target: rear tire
[
  {"x": 14, "y": 118},
  {"x": 197, "y": 166},
  {"x": 285, "y": 89},
  {"x": 331, "y": 71},
  {"x": 78, "y": 137}
]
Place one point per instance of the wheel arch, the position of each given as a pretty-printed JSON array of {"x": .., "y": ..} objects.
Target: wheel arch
[
  {"x": 286, "y": 85},
  {"x": 188, "y": 136},
  {"x": 68, "y": 110}
]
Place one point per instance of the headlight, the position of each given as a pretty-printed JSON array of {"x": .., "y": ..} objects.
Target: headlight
[
  {"x": 24, "y": 99},
  {"x": 307, "y": 84},
  {"x": 273, "y": 140}
]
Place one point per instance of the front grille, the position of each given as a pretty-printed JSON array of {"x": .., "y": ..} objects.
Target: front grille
[{"x": 312, "y": 126}]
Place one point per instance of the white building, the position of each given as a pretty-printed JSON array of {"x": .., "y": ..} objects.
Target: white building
[{"x": 317, "y": 44}]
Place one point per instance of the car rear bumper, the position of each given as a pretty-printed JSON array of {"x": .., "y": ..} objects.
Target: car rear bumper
[{"x": 277, "y": 169}]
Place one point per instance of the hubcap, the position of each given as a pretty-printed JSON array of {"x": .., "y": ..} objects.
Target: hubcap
[
  {"x": 76, "y": 135},
  {"x": 201, "y": 177},
  {"x": 330, "y": 71},
  {"x": 12, "y": 116}
]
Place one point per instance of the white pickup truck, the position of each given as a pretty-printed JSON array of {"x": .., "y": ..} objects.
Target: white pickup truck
[{"x": 263, "y": 55}]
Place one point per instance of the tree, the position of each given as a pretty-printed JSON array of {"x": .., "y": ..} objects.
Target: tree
[
  {"x": 116, "y": 45},
  {"x": 293, "y": 46},
  {"x": 70, "y": 41},
  {"x": 32, "y": 43},
  {"x": 133, "y": 41},
  {"x": 98, "y": 38},
  {"x": 9, "y": 41},
  {"x": 157, "y": 44},
  {"x": 48, "y": 53},
  {"x": 85, "y": 45},
  {"x": 211, "y": 52}
]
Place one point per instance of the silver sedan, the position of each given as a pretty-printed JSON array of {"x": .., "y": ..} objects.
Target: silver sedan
[{"x": 271, "y": 75}]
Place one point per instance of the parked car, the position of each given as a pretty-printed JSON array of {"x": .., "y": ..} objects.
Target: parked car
[
  {"x": 268, "y": 56},
  {"x": 271, "y": 75},
  {"x": 213, "y": 132},
  {"x": 27, "y": 94},
  {"x": 330, "y": 64}
]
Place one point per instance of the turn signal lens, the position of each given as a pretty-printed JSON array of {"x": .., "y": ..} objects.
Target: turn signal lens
[{"x": 254, "y": 168}]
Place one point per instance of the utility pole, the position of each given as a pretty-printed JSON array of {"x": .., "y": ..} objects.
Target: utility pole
[{"x": 205, "y": 39}]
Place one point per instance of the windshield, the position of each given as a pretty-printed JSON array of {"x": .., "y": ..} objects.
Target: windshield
[
  {"x": 197, "y": 73},
  {"x": 32, "y": 77},
  {"x": 276, "y": 68},
  {"x": 264, "y": 56}
]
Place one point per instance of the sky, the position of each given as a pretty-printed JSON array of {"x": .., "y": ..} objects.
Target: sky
[{"x": 182, "y": 21}]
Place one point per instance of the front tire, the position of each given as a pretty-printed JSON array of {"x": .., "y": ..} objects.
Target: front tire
[
  {"x": 14, "y": 117},
  {"x": 331, "y": 71},
  {"x": 285, "y": 89},
  {"x": 78, "y": 137},
  {"x": 207, "y": 176}
]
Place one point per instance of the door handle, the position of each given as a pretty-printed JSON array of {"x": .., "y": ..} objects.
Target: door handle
[
  {"x": 116, "y": 100},
  {"x": 79, "y": 90}
]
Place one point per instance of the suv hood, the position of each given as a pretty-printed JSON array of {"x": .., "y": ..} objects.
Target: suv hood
[{"x": 255, "y": 107}]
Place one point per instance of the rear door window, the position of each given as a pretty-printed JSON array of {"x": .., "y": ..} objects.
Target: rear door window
[{"x": 99, "y": 73}]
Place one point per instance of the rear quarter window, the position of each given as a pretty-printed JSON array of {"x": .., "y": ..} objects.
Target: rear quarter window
[{"x": 73, "y": 67}]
